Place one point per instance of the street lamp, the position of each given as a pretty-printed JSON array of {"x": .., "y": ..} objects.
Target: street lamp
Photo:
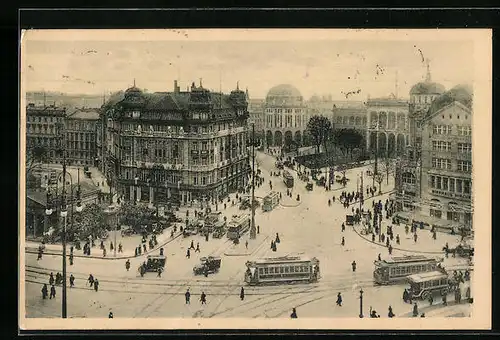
[
  {"x": 361, "y": 303},
  {"x": 253, "y": 231}
]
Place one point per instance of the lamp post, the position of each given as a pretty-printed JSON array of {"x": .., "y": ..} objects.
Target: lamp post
[
  {"x": 361, "y": 303},
  {"x": 64, "y": 215},
  {"x": 376, "y": 151},
  {"x": 253, "y": 231}
]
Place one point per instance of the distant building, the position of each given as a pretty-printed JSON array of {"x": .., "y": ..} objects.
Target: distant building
[
  {"x": 387, "y": 118},
  {"x": 183, "y": 146},
  {"x": 349, "y": 115},
  {"x": 256, "y": 115},
  {"x": 285, "y": 116},
  {"x": 45, "y": 127},
  {"x": 81, "y": 137}
]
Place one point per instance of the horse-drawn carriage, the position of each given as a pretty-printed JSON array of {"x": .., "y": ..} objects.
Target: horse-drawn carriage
[
  {"x": 208, "y": 265},
  {"x": 462, "y": 250},
  {"x": 309, "y": 186},
  {"x": 349, "y": 219}
]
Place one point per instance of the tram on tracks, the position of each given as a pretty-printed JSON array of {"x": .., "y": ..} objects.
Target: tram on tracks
[
  {"x": 238, "y": 226},
  {"x": 287, "y": 179},
  {"x": 282, "y": 270},
  {"x": 396, "y": 269}
]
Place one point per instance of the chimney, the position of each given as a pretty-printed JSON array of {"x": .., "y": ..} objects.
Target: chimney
[{"x": 176, "y": 88}]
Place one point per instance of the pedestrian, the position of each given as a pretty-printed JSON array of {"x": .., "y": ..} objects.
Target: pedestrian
[
  {"x": 379, "y": 257},
  {"x": 159, "y": 272},
  {"x": 103, "y": 252},
  {"x": 127, "y": 265},
  {"x": 120, "y": 248},
  {"x": 144, "y": 248},
  {"x": 405, "y": 295},
  {"x": 197, "y": 247},
  {"x": 339, "y": 300},
  {"x": 277, "y": 238},
  {"x": 390, "y": 314},
  {"x": 294, "y": 314},
  {"x": 52, "y": 292},
  {"x": 188, "y": 296},
  {"x": 390, "y": 249},
  {"x": 422, "y": 315},
  {"x": 444, "y": 298},
  {"x": 111, "y": 246},
  {"x": 258, "y": 229},
  {"x": 353, "y": 264},
  {"x": 373, "y": 237},
  {"x": 415, "y": 237},
  {"x": 45, "y": 291},
  {"x": 71, "y": 281},
  {"x": 71, "y": 259},
  {"x": 192, "y": 245},
  {"x": 343, "y": 227},
  {"x": 272, "y": 244},
  {"x": 96, "y": 285},
  {"x": 136, "y": 252},
  {"x": 431, "y": 300},
  {"x": 246, "y": 244},
  {"x": 242, "y": 294},
  {"x": 51, "y": 279},
  {"x": 110, "y": 315},
  {"x": 343, "y": 241},
  {"x": 203, "y": 298},
  {"x": 91, "y": 280},
  {"x": 415, "y": 310},
  {"x": 40, "y": 252},
  {"x": 397, "y": 239},
  {"x": 188, "y": 254},
  {"x": 102, "y": 244}
]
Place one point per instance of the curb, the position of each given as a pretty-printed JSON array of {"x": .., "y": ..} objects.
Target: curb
[
  {"x": 35, "y": 251},
  {"x": 248, "y": 253},
  {"x": 432, "y": 308},
  {"x": 401, "y": 249}
]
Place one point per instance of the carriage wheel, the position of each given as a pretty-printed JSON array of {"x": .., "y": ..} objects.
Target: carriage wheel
[{"x": 425, "y": 295}]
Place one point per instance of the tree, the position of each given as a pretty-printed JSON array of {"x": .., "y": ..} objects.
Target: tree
[
  {"x": 91, "y": 221},
  {"x": 379, "y": 177},
  {"x": 387, "y": 165},
  {"x": 36, "y": 155},
  {"x": 136, "y": 216},
  {"x": 319, "y": 128},
  {"x": 347, "y": 140}
]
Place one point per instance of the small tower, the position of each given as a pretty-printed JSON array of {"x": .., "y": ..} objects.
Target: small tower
[{"x": 428, "y": 74}]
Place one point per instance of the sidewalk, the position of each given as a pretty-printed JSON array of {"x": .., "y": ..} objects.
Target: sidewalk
[
  {"x": 453, "y": 309},
  {"x": 253, "y": 246},
  {"x": 96, "y": 252}
]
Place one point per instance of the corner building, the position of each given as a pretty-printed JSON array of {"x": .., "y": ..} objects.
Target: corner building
[{"x": 177, "y": 147}]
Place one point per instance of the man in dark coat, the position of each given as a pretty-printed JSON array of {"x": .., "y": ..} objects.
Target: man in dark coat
[
  {"x": 353, "y": 264},
  {"x": 96, "y": 285},
  {"x": 45, "y": 291},
  {"x": 242, "y": 294},
  {"x": 339, "y": 300},
  {"x": 203, "y": 298},
  {"x": 188, "y": 297},
  {"x": 294, "y": 314},
  {"x": 52, "y": 292},
  {"x": 71, "y": 281},
  {"x": 51, "y": 279}
]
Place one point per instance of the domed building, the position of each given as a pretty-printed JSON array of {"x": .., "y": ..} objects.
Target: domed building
[{"x": 285, "y": 116}]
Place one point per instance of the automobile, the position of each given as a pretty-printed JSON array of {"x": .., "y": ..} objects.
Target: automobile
[
  {"x": 309, "y": 186},
  {"x": 154, "y": 262},
  {"x": 208, "y": 265},
  {"x": 127, "y": 231}
]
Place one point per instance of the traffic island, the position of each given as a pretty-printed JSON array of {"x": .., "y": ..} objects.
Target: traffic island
[
  {"x": 241, "y": 248},
  {"x": 289, "y": 202}
]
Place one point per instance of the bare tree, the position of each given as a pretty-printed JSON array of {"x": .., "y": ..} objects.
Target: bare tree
[{"x": 319, "y": 128}]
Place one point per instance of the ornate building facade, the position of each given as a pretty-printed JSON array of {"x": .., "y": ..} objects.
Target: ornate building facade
[
  {"x": 387, "y": 126},
  {"x": 285, "y": 116},
  {"x": 350, "y": 115},
  {"x": 81, "y": 137},
  {"x": 183, "y": 146},
  {"x": 45, "y": 127}
]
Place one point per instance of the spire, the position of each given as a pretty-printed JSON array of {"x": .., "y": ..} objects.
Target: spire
[
  {"x": 200, "y": 82},
  {"x": 134, "y": 82},
  {"x": 428, "y": 75},
  {"x": 238, "y": 85}
]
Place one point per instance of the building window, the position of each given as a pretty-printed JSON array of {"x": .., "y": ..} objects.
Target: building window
[
  {"x": 195, "y": 180},
  {"x": 438, "y": 182},
  {"x": 464, "y": 130},
  {"x": 464, "y": 166},
  {"x": 203, "y": 180},
  {"x": 441, "y": 145},
  {"x": 452, "y": 184},
  {"x": 442, "y": 129},
  {"x": 464, "y": 147},
  {"x": 466, "y": 187},
  {"x": 441, "y": 163},
  {"x": 459, "y": 185},
  {"x": 409, "y": 178},
  {"x": 435, "y": 213},
  {"x": 433, "y": 181}
]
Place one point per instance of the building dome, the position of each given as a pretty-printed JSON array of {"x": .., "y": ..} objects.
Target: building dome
[
  {"x": 284, "y": 95},
  {"x": 133, "y": 90},
  {"x": 460, "y": 93},
  {"x": 424, "y": 88}
]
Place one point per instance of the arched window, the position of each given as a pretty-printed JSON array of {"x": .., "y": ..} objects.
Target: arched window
[{"x": 408, "y": 178}]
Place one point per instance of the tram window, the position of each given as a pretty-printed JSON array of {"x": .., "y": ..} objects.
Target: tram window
[
  {"x": 292, "y": 269},
  {"x": 282, "y": 270},
  {"x": 287, "y": 270},
  {"x": 266, "y": 270},
  {"x": 299, "y": 269},
  {"x": 271, "y": 270},
  {"x": 261, "y": 271}
]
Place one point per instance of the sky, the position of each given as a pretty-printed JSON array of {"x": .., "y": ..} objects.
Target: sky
[{"x": 316, "y": 66}]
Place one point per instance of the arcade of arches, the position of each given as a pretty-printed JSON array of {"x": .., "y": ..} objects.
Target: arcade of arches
[
  {"x": 279, "y": 138},
  {"x": 392, "y": 131}
]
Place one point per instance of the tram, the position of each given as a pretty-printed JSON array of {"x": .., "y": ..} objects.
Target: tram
[
  {"x": 238, "y": 226},
  {"x": 271, "y": 201},
  {"x": 396, "y": 269},
  {"x": 281, "y": 270},
  {"x": 287, "y": 179}
]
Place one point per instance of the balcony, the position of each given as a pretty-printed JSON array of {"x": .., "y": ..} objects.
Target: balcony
[{"x": 448, "y": 194}]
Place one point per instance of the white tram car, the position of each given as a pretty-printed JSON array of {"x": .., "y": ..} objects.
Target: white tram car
[{"x": 278, "y": 270}]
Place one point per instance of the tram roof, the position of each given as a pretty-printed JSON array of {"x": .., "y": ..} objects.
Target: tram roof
[
  {"x": 283, "y": 259},
  {"x": 407, "y": 259},
  {"x": 422, "y": 277}
]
